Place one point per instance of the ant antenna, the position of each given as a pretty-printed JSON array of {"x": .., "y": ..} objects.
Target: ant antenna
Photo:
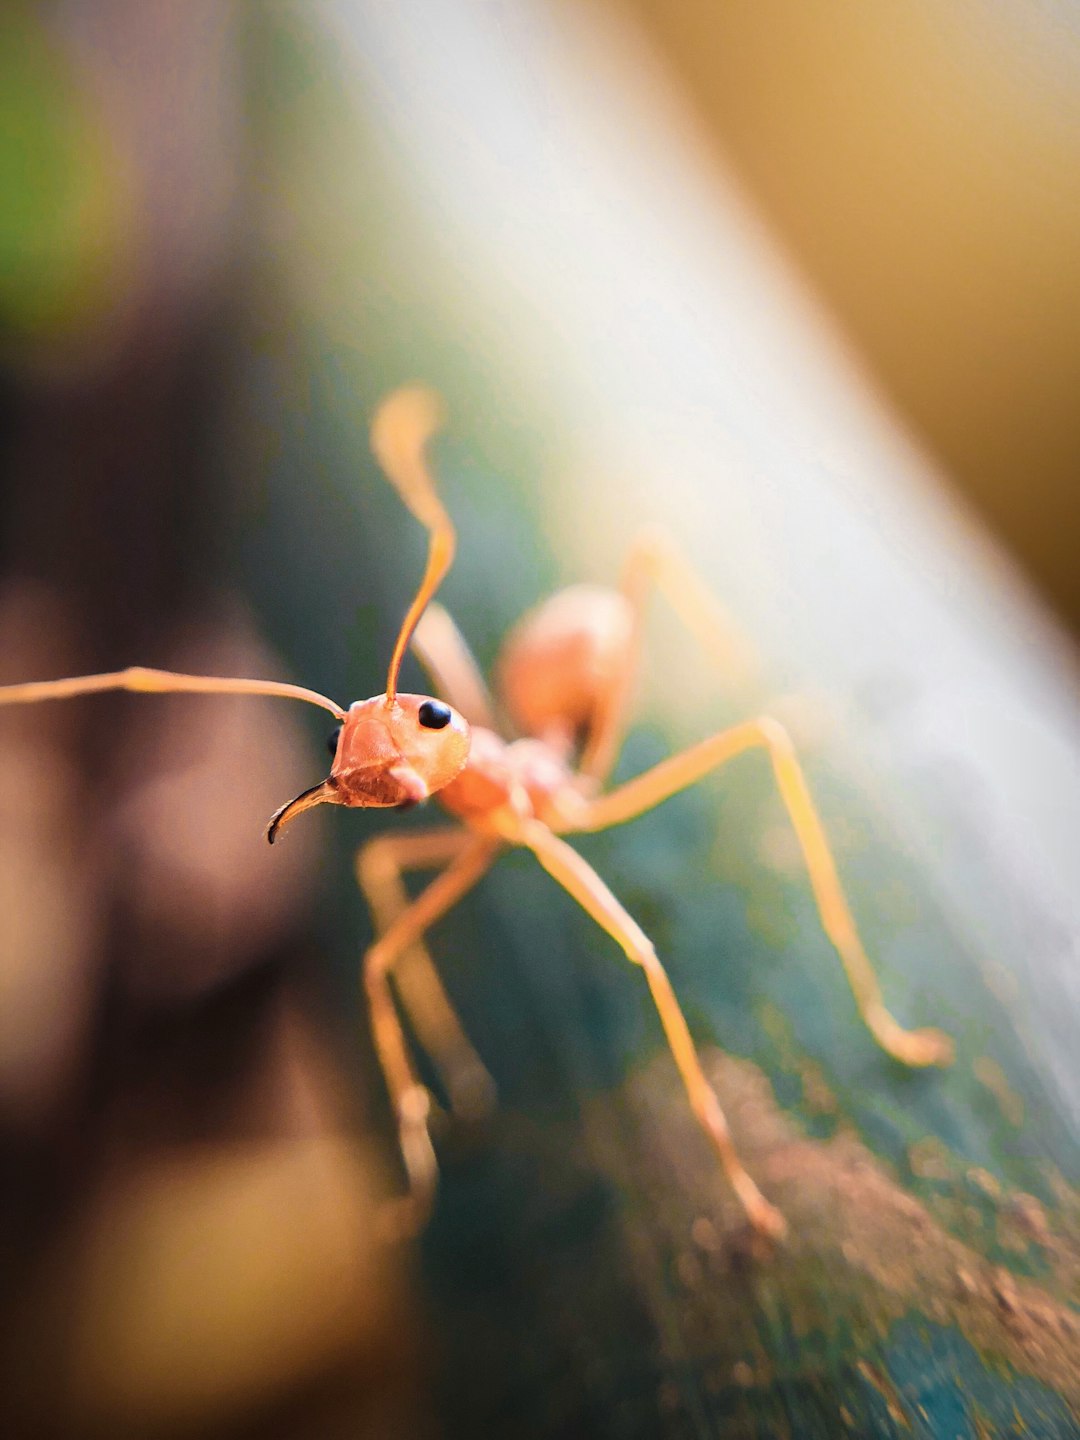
[
  {"x": 140, "y": 680},
  {"x": 160, "y": 682},
  {"x": 403, "y": 424}
]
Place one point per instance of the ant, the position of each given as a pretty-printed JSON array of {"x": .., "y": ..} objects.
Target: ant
[{"x": 564, "y": 677}]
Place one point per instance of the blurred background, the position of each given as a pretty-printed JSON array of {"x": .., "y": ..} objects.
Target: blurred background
[{"x": 799, "y": 284}]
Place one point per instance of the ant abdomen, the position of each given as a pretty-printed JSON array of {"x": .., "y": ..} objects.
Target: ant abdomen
[{"x": 559, "y": 662}]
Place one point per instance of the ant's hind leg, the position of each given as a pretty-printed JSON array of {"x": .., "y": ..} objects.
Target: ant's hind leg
[
  {"x": 654, "y": 563},
  {"x": 380, "y": 866},
  {"x": 582, "y": 882},
  {"x": 410, "y": 1099},
  {"x": 912, "y": 1047}
]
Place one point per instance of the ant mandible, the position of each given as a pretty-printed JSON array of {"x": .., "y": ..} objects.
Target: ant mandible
[{"x": 564, "y": 679}]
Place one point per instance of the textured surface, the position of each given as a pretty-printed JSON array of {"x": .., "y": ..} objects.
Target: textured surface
[
  {"x": 589, "y": 1254},
  {"x": 618, "y": 347}
]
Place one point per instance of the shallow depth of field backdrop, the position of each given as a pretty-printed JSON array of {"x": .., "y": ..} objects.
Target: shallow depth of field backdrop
[{"x": 802, "y": 289}]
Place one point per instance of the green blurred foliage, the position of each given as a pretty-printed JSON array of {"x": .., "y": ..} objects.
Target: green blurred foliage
[{"x": 63, "y": 191}]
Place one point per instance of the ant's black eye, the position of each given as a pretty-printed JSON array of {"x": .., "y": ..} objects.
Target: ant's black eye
[
  {"x": 434, "y": 715},
  {"x": 332, "y": 742}
]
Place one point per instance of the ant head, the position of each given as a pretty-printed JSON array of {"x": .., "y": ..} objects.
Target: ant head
[
  {"x": 398, "y": 749},
  {"x": 387, "y": 753},
  {"x": 398, "y": 752}
]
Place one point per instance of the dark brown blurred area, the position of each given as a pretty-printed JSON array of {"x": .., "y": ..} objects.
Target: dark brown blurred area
[
  {"x": 922, "y": 164},
  {"x": 185, "y": 1220}
]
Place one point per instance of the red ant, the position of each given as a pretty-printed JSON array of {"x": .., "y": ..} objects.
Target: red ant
[{"x": 564, "y": 677}]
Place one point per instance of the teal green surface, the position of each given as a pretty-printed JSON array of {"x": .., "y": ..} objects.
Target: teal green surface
[
  {"x": 567, "y": 1287},
  {"x": 552, "y": 1266}
]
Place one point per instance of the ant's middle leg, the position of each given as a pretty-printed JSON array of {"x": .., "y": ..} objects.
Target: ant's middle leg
[
  {"x": 912, "y": 1047},
  {"x": 579, "y": 879}
]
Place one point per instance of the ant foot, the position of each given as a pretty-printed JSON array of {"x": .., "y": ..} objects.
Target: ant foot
[
  {"x": 767, "y": 1220},
  {"x": 764, "y": 1217},
  {"x": 920, "y": 1048},
  {"x": 917, "y": 1048}
]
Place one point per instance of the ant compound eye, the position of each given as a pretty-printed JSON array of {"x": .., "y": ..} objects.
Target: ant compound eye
[
  {"x": 434, "y": 715},
  {"x": 332, "y": 741}
]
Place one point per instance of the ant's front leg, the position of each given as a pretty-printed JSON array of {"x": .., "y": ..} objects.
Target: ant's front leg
[
  {"x": 380, "y": 866},
  {"x": 409, "y": 1097}
]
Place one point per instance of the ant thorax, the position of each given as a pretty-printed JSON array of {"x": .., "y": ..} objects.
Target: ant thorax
[{"x": 525, "y": 777}]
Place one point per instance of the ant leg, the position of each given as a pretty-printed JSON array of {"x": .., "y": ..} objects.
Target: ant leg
[
  {"x": 912, "y": 1047},
  {"x": 444, "y": 653},
  {"x": 159, "y": 682},
  {"x": 582, "y": 882},
  {"x": 654, "y": 563},
  {"x": 380, "y": 866},
  {"x": 409, "y": 1098}
]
